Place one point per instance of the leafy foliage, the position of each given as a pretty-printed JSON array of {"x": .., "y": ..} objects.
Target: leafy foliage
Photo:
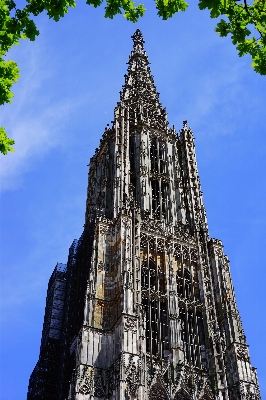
[
  {"x": 5, "y": 142},
  {"x": 241, "y": 21},
  {"x": 9, "y": 73},
  {"x": 12, "y": 29},
  {"x": 167, "y": 8},
  {"x": 114, "y": 7}
]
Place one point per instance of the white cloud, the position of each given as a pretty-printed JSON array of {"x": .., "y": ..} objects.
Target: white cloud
[
  {"x": 36, "y": 118},
  {"x": 34, "y": 136}
]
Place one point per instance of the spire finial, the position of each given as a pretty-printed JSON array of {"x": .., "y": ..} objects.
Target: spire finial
[{"x": 138, "y": 40}]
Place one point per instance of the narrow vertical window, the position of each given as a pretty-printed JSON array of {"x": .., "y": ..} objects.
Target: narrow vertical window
[
  {"x": 154, "y": 155},
  {"x": 164, "y": 197},
  {"x": 132, "y": 153},
  {"x": 155, "y": 198},
  {"x": 162, "y": 157},
  {"x": 132, "y": 156}
]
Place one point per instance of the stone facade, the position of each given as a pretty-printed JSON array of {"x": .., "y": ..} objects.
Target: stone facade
[{"x": 149, "y": 307}]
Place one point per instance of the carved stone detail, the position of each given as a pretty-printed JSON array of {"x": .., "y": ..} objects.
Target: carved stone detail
[
  {"x": 85, "y": 384},
  {"x": 132, "y": 376},
  {"x": 130, "y": 324}
]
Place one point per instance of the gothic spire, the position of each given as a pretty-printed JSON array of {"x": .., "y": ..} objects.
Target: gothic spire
[
  {"x": 139, "y": 90},
  {"x": 138, "y": 44}
]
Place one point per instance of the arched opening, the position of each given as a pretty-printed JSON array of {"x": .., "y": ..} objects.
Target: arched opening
[
  {"x": 182, "y": 395},
  {"x": 158, "y": 392},
  {"x": 152, "y": 280},
  {"x": 205, "y": 397}
]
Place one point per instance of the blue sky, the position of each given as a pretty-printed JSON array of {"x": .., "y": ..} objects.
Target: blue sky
[{"x": 70, "y": 82}]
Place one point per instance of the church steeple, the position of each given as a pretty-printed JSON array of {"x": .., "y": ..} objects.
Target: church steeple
[
  {"x": 139, "y": 91},
  {"x": 146, "y": 308}
]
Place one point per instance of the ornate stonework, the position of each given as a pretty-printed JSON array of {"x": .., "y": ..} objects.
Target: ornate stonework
[{"x": 149, "y": 310}]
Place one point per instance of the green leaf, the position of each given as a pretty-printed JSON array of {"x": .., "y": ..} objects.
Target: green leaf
[
  {"x": 5, "y": 142},
  {"x": 9, "y": 74},
  {"x": 167, "y": 8},
  {"x": 94, "y": 3}
]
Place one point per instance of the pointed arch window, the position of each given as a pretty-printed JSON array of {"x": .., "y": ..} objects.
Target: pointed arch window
[
  {"x": 207, "y": 397},
  {"x": 158, "y": 155},
  {"x": 182, "y": 395},
  {"x": 155, "y": 191},
  {"x": 154, "y": 155},
  {"x": 162, "y": 156},
  {"x": 132, "y": 161},
  {"x": 153, "y": 282},
  {"x": 132, "y": 153},
  {"x": 158, "y": 392},
  {"x": 160, "y": 196}
]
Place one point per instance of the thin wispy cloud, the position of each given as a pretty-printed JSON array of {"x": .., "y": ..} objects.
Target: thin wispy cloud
[
  {"x": 35, "y": 120},
  {"x": 34, "y": 135},
  {"x": 214, "y": 95}
]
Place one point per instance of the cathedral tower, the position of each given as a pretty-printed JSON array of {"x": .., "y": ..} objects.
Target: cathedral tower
[{"x": 145, "y": 308}]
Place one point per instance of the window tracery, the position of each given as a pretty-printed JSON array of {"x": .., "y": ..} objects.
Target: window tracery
[
  {"x": 182, "y": 395},
  {"x": 157, "y": 392}
]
